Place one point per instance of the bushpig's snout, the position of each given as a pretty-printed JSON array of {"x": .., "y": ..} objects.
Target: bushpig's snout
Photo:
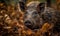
[{"x": 28, "y": 23}]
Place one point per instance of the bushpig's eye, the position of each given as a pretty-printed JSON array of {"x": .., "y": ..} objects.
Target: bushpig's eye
[
  {"x": 26, "y": 13},
  {"x": 34, "y": 14}
]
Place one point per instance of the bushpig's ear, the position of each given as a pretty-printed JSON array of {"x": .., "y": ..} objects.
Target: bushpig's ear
[
  {"x": 22, "y": 6},
  {"x": 41, "y": 7}
]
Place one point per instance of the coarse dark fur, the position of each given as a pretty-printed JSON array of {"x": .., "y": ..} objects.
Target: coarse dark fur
[{"x": 36, "y": 15}]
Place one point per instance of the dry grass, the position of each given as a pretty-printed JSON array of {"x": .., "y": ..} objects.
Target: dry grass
[{"x": 11, "y": 23}]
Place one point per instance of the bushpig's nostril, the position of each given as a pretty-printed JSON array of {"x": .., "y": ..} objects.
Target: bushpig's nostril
[{"x": 27, "y": 22}]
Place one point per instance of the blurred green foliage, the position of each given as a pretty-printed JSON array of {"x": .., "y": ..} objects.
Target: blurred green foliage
[
  {"x": 53, "y": 1},
  {"x": 9, "y": 2}
]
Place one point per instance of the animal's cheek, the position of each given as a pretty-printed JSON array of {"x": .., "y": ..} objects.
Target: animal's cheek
[
  {"x": 37, "y": 21},
  {"x": 24, "y": 18},
  {"x": 41, "y": 21}
]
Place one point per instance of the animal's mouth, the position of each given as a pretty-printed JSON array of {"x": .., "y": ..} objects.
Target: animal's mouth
[{"x": 31, "y": 25}]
